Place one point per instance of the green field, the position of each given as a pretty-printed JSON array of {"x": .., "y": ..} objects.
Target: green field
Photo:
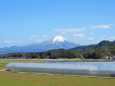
[
  {"x": 3, "y": 63},
  {"x": 33, "y": 79},
  {"x": 14, "y": 83}
]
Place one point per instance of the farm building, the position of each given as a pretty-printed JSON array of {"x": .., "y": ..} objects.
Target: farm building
[{"x": 72, "y": 68}]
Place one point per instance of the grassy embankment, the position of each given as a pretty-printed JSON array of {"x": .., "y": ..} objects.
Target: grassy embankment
[{"x": 32, "y": 79}]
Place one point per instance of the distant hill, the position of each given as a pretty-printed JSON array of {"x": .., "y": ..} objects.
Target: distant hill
[
  {"x": 57, "y": 42},
  {"x": 85, "y": 49},
  {"x": 101, "y": 52}
]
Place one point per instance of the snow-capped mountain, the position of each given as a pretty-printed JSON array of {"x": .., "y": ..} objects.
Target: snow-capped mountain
[
  {"x": 58, "y": 42},
  {"x": 55, "y": 43}
]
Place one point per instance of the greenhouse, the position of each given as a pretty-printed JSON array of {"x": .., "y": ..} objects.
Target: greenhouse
[{"x": 72, "y": 68}]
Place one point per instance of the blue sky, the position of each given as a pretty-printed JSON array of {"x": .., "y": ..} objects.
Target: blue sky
[{"x": 23, "y": 22}]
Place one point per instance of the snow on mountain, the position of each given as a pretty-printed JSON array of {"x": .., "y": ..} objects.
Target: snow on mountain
[
  {"x": 55, "y": 43},
  {"x": 59, "y": 39}
]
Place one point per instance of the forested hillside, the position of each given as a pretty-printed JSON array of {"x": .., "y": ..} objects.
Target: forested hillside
[
  {"x": 85, "y": 49},
  {"x": 100, "y": 53}
]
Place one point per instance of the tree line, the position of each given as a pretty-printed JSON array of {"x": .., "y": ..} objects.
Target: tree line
[{"x": 51, "y": 54}]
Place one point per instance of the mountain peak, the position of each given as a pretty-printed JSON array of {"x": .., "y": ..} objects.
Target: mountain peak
[{"x": 59, "y": 39}]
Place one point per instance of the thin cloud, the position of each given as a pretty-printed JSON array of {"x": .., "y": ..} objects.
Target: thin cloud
[
  {"x": 78, "y": 35},
  {"x": 38, "y": 41},
  {"x": 111, "y": 38},
  {"x": 71, "y": 30},
  {"x": 44, "y": 36},
  {"x": 102, "y": 38},
  {"x": 64, "y": 32},
  {"x": 90, "y": 38},
  {"x": 108, "y": 38},
  {"x": 111, "y": 24},
  {"x": 91, "y": 33},
  {"x": 10, "y": 41},
  {"x": 100, "y": 27},
  {"x": 34, "y": 36}
]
